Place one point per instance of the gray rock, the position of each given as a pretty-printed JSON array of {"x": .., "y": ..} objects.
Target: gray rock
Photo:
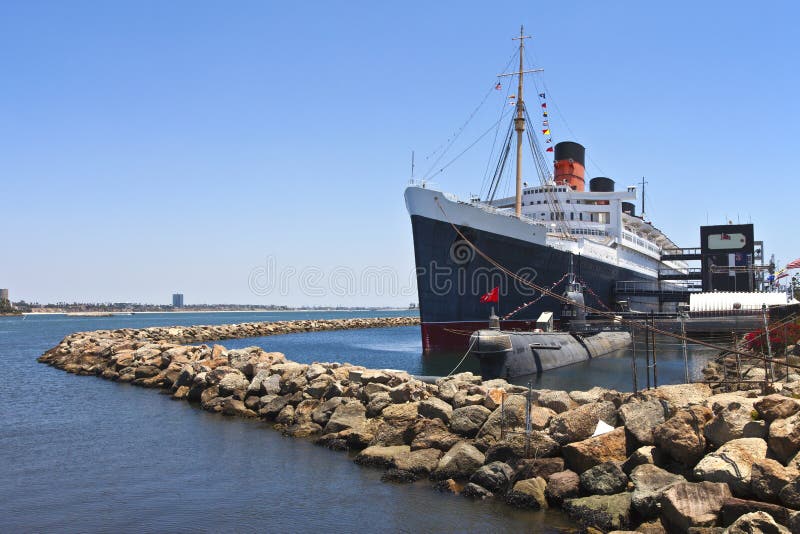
[
  {"x": 459, "y": 462},
  {"x": 604, "y": 512},
  {"x": 650, "y": 483},
  {"x": 420, "y": 462},
  {"x": 467, "y": 421},
  {"x": 641, "y": 456},
  {"x": 558, "y": 401},
  {"x": 323, "y": 412},
  {"x": 732, "y": 463},
  {"x": 474, "y": 491},
  {"x": 641, "y": 418},
  {"x": 733, "y": 422},
  {"x": 686, "y": 505},
  {"x": 233, "y": 383},
  {"x": 495, "y": 477},
  {"x": 434, "y": 408},
  {"x": 604, "y": 479},
  {"x": 514, "y": 414},
  {"x": 377, "y": 403},
  {"x": 271, "y": 405},
  {"x": 760, "y": 522},
  {"x": 349, "y": 415},
  {"x": 319, "y": 386}
]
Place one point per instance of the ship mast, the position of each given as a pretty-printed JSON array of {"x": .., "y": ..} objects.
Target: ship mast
[{"x": 519, "y": 120}]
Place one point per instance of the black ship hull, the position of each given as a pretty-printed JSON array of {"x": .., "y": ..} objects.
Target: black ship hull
[{"x": 451, "y": 278}]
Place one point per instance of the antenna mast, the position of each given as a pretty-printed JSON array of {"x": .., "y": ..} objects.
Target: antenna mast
[{"x": 643, "y": 212}]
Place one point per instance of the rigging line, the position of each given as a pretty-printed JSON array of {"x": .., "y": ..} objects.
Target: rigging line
[
  {"x": 458, "y": 132},
  {"x": 501, "y": 163},
  {"x": 484, "y": 134},
  {"x": 610, "y": 315},
  {"x": 503, "y": 106}
]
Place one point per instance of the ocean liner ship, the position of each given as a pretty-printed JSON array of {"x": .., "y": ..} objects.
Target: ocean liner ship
[{"x": 541, "y": 234}]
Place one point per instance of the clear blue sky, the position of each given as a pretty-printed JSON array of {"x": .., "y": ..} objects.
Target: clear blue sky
[{"x": 148, "y": 147}]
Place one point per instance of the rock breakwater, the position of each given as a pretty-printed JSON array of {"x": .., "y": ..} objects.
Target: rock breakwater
[{"x": 678, "y": 457}]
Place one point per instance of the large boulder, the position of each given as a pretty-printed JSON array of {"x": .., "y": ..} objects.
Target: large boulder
[
  {"x": 511, "y": 416},
  {"x": 784, "y": 437},
  {"x": 768, "y": 478},
  {"x": 233, "y": 383},
  {"x": 732, "y": 463},
  {"x": 649, "y": 484},
  {"x": 760, "y": 522},
  {"x": 460, "y": 462},
  {"x": 558, "y": 401},
  {"x": 687, "y": 504},
  {"x": 776, "y": 406},
  {"x": 681, "y": 436},
  {"x": 468, "y": 420},
  {"x": 396, "y": 413},
  {"x": 432, "y": 433},
  {"x": 537, "y": 467},
  {"x": 604, "y": 479},
  {"x": 419, "y": 462},
  {"x": 573, "y": 425},
  {"x": 603, "y": 512},
  {"x": 735, "y": 421},
  {"x": 322, "y": 413},
  {"x": 640, "y": 418},
  {"x": 528, "y": 493},
  {"x": 608, "y": 447},
  {"x": 517, "y": 446},
  {"x": 495, "y": 477},
  {"x": 562, "y": 485},
  {"x": 681, "y": 396},
  {"x": 734, "y": 508},
  {"x": 643, "y": 455},
  {"x": 349, "y": 415},
  {"x": 435, "y": 408},
  {"x": 379, "y": 456}
]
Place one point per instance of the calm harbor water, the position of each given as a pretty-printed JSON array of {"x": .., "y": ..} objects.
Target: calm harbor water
[{"x": 85, "y": 454}]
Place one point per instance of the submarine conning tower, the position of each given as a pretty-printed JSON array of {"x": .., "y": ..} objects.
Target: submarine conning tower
[{"x": 570, "y": 165}]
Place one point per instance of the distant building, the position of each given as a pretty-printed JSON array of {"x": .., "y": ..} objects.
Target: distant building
[
  {"x": 4, "y": 295},
  {"x": 177, "y": 300}
]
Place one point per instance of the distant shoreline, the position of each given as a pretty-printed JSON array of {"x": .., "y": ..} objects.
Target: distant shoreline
[{"x": 124, "y": 313}]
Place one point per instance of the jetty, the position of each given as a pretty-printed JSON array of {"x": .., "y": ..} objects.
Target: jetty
[{"x": 666, "y": 459}]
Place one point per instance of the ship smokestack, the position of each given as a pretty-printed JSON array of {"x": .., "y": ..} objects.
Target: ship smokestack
[{"x": 570, "y": 164}]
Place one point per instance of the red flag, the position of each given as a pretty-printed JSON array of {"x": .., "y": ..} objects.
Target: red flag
[
  {"x": 544, "y": 105},
  {"x": 793, "y": 264},
  {"x": 549, "y": 149},
  {"x": 491, "y": 296}
]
